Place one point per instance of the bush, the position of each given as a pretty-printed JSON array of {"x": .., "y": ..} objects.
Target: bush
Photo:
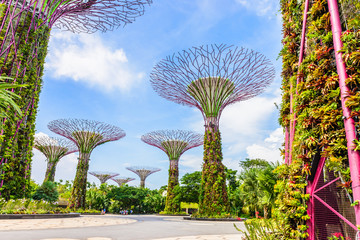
[{"x": 46, "y": 192}]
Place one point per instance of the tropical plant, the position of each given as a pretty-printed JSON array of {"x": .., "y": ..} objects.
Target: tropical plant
[{"x": 47, "y": 191}]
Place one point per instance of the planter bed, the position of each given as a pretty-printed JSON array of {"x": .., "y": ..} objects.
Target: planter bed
[
  {"x": 39, "y": 216},
  {"x": 216, "y": 219}
]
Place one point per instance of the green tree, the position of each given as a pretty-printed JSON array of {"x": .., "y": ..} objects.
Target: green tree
[
  {"x": 257, "y": 185},
  {"x": 190, "y": 187},
  {"x": 128, "y": 197},
  {"x": 47, "y": 191}
]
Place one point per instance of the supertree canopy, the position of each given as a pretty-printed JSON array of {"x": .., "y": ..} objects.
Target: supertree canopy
[
  {"x": 53, "y": 149},
  {"x": 211, "y": 77},
  {"x": 122, "y": 180},
  {"x": 174, "y": 143},
  {"x": 87, "y": 135},
  {"x": 143, "y": 173},
  {"x": 24, "y": 35},
  {"x": 103, "y": 176}
]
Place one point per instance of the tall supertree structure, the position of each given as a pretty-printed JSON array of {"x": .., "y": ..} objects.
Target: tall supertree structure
[
  {"x": 143, "y": 173},
  {"x": 211, "y": 77},
  {"x": 87, "y": 135},
  {"x": 53, "y": 149},
  {"x": 174, "y": 143},
  {"x": 24, "y": 35},
  {"x": 103, "y": 176},
  {"x": 122, "y": 180}
]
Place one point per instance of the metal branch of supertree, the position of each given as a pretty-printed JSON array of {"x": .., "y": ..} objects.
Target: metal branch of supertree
[
  {"x": 143, "y": 172},
  {"x": 103, "y": 176},
  {"x": 87, "y": 16},
  {"x": 97, "y": 15},
  {"x": 210, "y": 77},
  {"x": 87, "y": 133},
  {"x": 122, "y": 180},
  {"x": 173, "y": 142},
  {"x": 54, "y": 148}
]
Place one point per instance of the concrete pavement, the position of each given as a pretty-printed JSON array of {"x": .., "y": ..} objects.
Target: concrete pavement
[{"x": 118, "y": 227}]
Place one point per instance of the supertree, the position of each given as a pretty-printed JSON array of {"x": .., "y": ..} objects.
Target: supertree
[
  {"x": 122, "y": 180},
  {"x": 174, "y": 143},
  {"x": 24, "y": 35},
  {"x": 143, "y": 173},
  {"x": 87, "y": 135},
  {"x": 211, "y": 77},
  {"x": 53, "y": 149},
  {"x": 103, "y": 176}
]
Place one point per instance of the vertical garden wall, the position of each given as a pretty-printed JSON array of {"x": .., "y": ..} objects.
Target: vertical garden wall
[{"x": 312, "y": 116}]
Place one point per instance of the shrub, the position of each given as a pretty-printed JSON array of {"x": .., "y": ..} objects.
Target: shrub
[{"x": 46, "y": 192}]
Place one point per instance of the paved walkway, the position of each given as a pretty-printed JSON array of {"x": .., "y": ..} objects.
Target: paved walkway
[
  {"x": 78, "y": 222},
  {"x": 115, "y": 227}
]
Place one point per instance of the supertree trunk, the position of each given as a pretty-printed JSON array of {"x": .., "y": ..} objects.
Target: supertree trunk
[
  {"x": 78, "y": 192},
  {"x": 213, "y": 193},
  {"x": 22, "y": 58},
  {"x": 142, "y": 183},
  {"x": 50, "y": 172},
  {"x": 172, "y": 203}
]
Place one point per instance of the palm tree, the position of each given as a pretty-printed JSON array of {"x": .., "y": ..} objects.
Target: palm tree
[
  {"x": 267, "y": 180},
  {"x": 8, "y": 106},
  {"x": 249, "y": 189}
]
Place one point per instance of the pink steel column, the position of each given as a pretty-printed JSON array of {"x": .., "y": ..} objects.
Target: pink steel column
[
  {"x": 287, "y": 145},
  {"x": 354, "y": 156},
  {"x": 310, "y": 188},
  {"x": 301, "y": 57}
]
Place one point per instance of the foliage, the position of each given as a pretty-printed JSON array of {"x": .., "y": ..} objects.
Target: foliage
[
  {"x": 28, "y": 206},
  {"x": 96, "y": 198},
  {"x": 47, "y": 191},
  {"x": 265, "y": 229},
  {"x": 190, "y": 187},
  {"x": 8, "y": 106},
  {"x": 140, "y": 200},
  {"x": 257, "y": 183},
  {"x": 64, "y": 189}
]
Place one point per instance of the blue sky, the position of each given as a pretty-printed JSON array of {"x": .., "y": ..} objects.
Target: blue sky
[{"x": 105, "y": 77}]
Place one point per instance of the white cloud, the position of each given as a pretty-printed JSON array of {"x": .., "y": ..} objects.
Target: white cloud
[
  {"x": 261, "y": 7},
  {"x": 193, "y": 162},
  {"x": 269, "y": 148},
  {"x": 87, "y": 58}
]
